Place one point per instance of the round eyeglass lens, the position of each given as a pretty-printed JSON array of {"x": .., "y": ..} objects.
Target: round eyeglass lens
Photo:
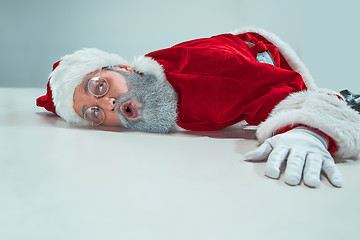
[
  {"x": 94, "y": 115},
  {"x": 98, "y": 86}
]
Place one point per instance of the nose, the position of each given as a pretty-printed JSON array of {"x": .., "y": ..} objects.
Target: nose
[{"x": 107, "y": 103}]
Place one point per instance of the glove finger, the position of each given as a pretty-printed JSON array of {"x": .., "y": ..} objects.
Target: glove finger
[
  {"x": 294, "y": 167},
  {"x": 312, "y": 170},
  {"x": 259, "y": 154},
  {"x": 332, "y": 172},
  {"x": 276, "y": 159}
]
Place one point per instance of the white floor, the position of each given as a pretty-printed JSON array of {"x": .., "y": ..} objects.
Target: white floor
[{"x": 65, "y": 182}]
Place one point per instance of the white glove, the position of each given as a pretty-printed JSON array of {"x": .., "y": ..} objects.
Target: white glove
[{"x": 304, "y": 150}]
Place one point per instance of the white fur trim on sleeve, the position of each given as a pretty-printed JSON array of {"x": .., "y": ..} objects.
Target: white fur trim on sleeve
[
  {"x": 150, "y": 66},
  {"x": 321, "y": 111},
  {"x": 289, "y": 54}
]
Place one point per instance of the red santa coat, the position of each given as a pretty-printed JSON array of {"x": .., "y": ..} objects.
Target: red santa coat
[{"x": 219, "y": 82}]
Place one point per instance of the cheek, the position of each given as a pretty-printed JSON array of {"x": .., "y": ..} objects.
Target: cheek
[
  {"x": 119, "y": 88},
  {"x": 112, "y": 119}
]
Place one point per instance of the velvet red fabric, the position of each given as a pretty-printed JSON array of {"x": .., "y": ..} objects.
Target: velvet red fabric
[{"x": 219, "y": 82}]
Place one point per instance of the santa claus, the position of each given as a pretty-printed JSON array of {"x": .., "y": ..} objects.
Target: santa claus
[{"x": 209, "y": 84}]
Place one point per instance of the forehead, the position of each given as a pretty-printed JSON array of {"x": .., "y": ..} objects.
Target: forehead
[{"x": 90, "y": 75}]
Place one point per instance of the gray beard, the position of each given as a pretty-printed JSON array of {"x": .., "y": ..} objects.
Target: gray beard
[{"x": 158, "y": 98}]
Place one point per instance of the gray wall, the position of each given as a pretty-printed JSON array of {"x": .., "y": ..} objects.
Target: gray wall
[{"x": 35, "y": 34}]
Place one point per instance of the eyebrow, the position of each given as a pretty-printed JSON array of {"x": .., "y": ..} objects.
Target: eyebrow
[
  {"x": 83, "y": 110},
  {"x": 86, "y": 85}
]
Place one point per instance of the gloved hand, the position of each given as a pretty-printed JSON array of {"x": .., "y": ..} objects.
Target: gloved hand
[{"x": 304, "y": 150}]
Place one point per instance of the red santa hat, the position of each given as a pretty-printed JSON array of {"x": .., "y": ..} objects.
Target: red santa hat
[{"x": 67, "y": 74}]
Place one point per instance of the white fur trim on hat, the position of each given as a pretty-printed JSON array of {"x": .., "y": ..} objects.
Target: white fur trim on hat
[
  {"x": 69, "y": 74},
  {"x": 319, "y": 110},
  {"x": 286, "y": 51}
]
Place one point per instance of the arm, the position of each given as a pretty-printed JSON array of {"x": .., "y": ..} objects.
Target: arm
[
  {"x": 306, "y": 153},
  {"x": 318, "y": 110}
]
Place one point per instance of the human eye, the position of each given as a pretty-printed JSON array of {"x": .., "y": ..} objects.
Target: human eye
[
  {"x": 94, "y": 115},
  {"x": 98, "y": 87},
  {"x": 95, "y": 112}
]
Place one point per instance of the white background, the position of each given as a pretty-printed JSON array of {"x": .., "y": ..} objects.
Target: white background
[{"x": 35, "y": 34}]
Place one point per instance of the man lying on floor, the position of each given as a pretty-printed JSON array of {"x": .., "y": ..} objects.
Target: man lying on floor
[{"x": 209, "y": 84}]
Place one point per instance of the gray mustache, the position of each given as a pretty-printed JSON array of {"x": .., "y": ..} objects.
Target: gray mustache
[{"x": 159, "y": 101}]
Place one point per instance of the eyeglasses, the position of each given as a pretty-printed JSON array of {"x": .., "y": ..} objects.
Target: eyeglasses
[{"x": 97, "y": 87}]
